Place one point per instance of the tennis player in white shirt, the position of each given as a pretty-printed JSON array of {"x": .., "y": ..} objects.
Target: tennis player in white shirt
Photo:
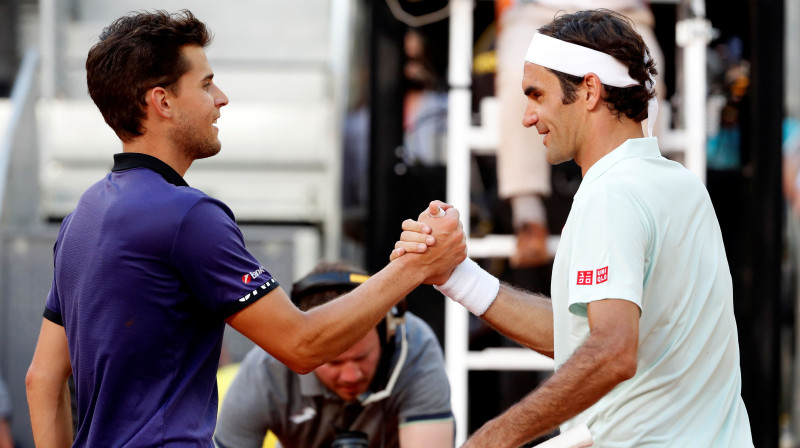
[{"x": 640, "y": 323}]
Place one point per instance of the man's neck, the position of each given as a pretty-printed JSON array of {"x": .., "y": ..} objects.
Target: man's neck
[
  {"x": 605, "y": 137},
  {"x": 161, "y": 151}
]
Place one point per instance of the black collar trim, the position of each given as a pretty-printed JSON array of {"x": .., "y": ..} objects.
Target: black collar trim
[{"x": 128, "y": 160}]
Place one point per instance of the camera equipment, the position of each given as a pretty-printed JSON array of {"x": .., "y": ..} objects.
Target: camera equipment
[{"x": 350, "y": 439}]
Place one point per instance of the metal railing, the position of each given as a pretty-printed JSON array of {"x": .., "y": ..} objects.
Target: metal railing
[{"x": 18, "y": 147}]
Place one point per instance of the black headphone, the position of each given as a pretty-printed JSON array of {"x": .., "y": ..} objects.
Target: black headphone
[{"x": 347, "y": 281}]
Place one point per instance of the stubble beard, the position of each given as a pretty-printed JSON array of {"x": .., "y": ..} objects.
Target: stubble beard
[{"x": 194, "y": 146}]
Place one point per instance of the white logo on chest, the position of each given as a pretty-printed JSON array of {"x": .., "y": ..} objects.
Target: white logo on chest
[{"x": 306, "y": 414}]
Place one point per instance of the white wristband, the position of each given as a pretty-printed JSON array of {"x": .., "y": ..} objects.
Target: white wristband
[{"x": 471, "y": 286}]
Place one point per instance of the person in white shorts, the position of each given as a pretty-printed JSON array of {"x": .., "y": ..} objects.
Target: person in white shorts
[{"x": 641, "y": 322}]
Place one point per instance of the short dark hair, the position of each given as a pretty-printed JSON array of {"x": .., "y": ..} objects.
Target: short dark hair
[
  {"x": 307, "y": 296},
  {"x": 135, "y": 53},
  {"x": 612, "y": 33}
]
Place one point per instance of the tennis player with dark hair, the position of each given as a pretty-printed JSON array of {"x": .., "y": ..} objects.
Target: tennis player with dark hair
[
  {"x": 148, "y": 270},
  {"x": 391, "y": 385},
  {"x": 641, "y": 322}
]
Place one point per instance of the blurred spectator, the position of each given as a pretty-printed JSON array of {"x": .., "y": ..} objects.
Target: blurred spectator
[
  {"x": 729, "y": 78},
  {"x": 391, "y": 385},
  {"x": 424, "y": 105},
  {"x": 791, "y": 164}
]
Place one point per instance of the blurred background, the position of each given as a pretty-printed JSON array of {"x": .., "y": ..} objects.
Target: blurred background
[{"x": 348, "y": 116}]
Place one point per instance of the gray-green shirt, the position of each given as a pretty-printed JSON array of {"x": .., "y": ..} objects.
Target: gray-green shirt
[{"x": 301, "y": 411}]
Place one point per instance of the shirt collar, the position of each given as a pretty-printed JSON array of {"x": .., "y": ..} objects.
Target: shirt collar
[
  {"x": 634, "y": 147},
  {"x": 129, "y": 160}
]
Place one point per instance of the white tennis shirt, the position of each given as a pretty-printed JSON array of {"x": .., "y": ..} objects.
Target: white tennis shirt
[{"x": 642, "y": 228}]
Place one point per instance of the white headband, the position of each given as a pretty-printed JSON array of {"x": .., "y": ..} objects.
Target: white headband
[{"x": 578, "y": 60}]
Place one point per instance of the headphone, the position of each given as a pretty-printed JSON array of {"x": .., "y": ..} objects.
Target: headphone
[
  {"x": 347, "y": 281},
  {"x": 387, "y": 329}
]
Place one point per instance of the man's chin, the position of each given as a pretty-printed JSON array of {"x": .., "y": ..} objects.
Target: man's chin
[
  {"x": 349, "y": 394},
  {"x": 554, "y": 157},
  {"x": 207, "y": 152}
]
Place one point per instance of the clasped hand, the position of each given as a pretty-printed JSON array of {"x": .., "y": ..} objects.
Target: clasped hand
[{"x": 437, "y": 243}]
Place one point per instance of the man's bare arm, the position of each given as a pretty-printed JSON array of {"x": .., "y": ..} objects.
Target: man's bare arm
[
  {"x": 524, "y": 317},
  {"x": 427, "y": 435},
  {"x": 6, "y": 441},
  {"x": 606, "y": 358},
  {"x": 304, "y": 341},
  {"x": 46, "y": 386}
]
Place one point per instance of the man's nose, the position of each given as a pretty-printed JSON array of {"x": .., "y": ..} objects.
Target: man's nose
[
  {"x": 530, "y": 117},
  {"x": 220, "y": 99},
  {"x": 351, "y": 372}
]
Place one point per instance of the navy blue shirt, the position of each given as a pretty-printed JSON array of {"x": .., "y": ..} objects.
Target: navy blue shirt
[{"x": 146, "y": 270}]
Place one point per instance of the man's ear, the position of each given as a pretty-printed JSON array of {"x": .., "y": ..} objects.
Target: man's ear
[
  {"x": 594, "y": 90},
  {"x": 159, "y": 100}
]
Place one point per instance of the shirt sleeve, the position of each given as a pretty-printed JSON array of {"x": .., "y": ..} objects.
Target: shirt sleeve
[
  {"x": 246, "y": 412},
  {"x": 423, "y": 389},
  {"x": 210, "y": 254},
  {"x": 52, "y": 308},
  {"x": 610, "y": 240}
]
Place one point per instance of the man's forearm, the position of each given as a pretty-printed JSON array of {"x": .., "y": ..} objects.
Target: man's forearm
[
  {"x": 51, "y": 415},
  {"x": 344, "y": 321},
  {"x": 388, "y": 286},
  {"x": 6, "y": 441},
  {"x": 46, "y": 386},
  {"x": 524, "y": 317},
  {"x": 579, "y": 383},
  {"x": 427, "y": 435}
]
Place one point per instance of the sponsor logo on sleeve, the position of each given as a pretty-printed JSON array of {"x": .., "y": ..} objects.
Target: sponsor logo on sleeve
[
  {"x": 602, "y": 275},
  {"x": 250, "y": 276},
  {"x": 258, "y": 291},
  {"x": 585, "y": 277},
  {"x": 596, "y": 276}
]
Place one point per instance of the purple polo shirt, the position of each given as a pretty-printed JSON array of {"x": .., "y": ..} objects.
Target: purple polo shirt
[{"x": 146, "y": 271}]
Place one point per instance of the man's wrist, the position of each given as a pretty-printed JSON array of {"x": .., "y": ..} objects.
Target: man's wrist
[
  {"x": 471, "y": 286},
  {"x": 409, "y": 267}
]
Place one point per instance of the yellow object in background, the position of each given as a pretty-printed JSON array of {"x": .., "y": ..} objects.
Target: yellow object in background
[{"x": 225, "y": 375}]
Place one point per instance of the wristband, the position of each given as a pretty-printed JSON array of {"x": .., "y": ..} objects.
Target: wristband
[{"x": 471, "y": 286}]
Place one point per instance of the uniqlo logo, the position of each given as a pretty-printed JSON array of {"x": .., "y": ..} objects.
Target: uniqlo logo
[
  {"x": 602, "y": 275},
  {"x": 585, "y": 277}
]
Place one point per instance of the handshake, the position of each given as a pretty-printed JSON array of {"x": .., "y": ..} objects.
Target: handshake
[{"x": 437, "y": 243}]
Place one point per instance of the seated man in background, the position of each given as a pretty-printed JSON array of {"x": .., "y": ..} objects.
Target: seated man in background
[{"x": 391, "y": 385}]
